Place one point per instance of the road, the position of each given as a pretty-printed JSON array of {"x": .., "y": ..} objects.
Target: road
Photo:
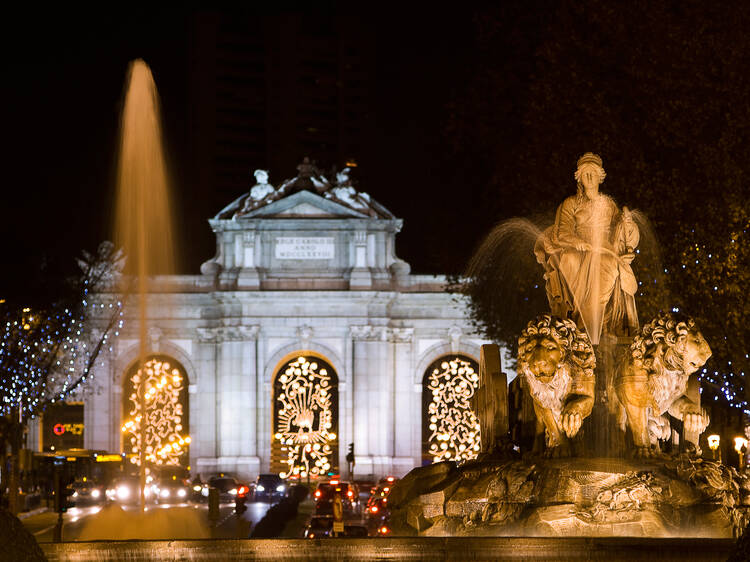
[{"x": 42, "y": 525}]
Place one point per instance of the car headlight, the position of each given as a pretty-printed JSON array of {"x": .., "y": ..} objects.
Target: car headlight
[
  {"x": 233, "y": 491},
  {"x": 123, "y": 492},
  {"x": 204, "y": 492},
  {"x": 75, "y": 494},
  {"x": 197, "y": 488},
  {"x": 94, "y": 493},
  {"x": 164, "y": 493},
  {"x": 181, "y": 493},
  {"x": 280, "y": 488},
  {"x": 260, "y": 488}
]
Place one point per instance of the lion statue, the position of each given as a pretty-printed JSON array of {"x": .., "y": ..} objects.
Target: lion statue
[
  {"x": 556, "y": 362},
  {"x": 653, "y": 378}
]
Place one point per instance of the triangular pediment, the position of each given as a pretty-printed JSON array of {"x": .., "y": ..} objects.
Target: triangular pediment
[{"x": 304, "y": 204}]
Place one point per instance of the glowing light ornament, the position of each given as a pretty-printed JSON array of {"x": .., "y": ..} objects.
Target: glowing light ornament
[
  {"x": 305, "y": 417},
  {"x": 454, "y": 427},
  {"x": 164, "y": 441}
]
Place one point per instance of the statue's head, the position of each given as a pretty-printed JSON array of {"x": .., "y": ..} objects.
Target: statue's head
[
  {"x": 342, "y": 177},
  {"x": 589, "y": 174},
  {"x": 261, "y": 176},
  {"x": 548, "y": 343},
  {"x": 697, "y": 351},
  {"x": 675, "y": 340}
]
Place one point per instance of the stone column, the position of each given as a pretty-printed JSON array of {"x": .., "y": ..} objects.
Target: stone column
[
  {"x": 248, "y": 277},
  {"x": 229, "y": 398},
  {"x": 361, "y": 278},
  {"x": 402, "y": 417},
  {"x": 235, "y": 374},
  {"x": 370, "y": 370}
]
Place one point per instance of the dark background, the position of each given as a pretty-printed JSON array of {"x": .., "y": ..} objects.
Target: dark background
[
  {"x": 64, "y": 81},
  {"x": 474, "y": 114}
]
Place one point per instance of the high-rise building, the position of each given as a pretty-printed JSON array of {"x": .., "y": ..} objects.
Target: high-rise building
[{"x": 268, "y": 89}]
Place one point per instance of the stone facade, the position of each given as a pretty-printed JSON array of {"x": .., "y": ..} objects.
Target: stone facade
[{"x": 301, "y": 272}]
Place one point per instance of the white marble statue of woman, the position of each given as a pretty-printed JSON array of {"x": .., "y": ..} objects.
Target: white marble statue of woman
[{"x": 587, "y": 254}]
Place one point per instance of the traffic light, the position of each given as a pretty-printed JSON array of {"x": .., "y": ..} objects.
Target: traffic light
[
  {"x": 63, "y": 491},
  {"x": 350, "y": 454}
]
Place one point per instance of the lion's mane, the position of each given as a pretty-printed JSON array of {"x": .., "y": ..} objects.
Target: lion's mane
[
  {"x": 575, "y": 343},
  {"x": 663, "y": 340}
]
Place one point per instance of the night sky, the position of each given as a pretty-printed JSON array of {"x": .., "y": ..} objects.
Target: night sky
[
  {"x": 65, "y": 86},
  {"x": 64, "y": 76}
]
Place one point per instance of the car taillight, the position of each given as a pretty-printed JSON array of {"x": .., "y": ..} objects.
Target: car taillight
[
  {"x": 374, "y": 509},
  {"x": 317, "y": 493},
  {"x": 384, "y": 530},
  {"x": 242, "y": 491},
  {"x": 349, "y": 493}
]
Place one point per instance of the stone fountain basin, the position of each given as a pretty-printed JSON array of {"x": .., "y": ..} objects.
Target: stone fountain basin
[{"x": 575, "y": 497}]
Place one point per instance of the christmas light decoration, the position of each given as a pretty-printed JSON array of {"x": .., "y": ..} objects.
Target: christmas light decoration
[
  {"x": 305, "y": 399},
  {"x": 163, "y": 420},
  {"x": 47, "y": 354},
  {"x": 453, "y": 429}
]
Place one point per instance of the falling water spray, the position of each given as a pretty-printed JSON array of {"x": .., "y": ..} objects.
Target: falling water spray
[{"x": 143, "y": 218}]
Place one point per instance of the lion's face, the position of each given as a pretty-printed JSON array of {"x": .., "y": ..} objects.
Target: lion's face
[
  {"x": 543, "y": 355},
  {"x": 697, "y": 352}
]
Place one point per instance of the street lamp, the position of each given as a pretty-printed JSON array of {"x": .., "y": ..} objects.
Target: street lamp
[
  {"x": 740, "y": 445},
  {"x": 713, "y": 444}
]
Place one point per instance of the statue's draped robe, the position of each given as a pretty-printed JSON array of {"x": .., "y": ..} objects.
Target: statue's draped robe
[{"x": 592, "y": 287}]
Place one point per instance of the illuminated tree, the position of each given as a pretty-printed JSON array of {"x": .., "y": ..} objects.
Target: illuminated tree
[
  {"x": 48, "y": 352},
  {"x": 661, "y": 91}
]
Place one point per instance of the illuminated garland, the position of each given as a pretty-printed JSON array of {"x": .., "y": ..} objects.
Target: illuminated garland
[
  {"x": 46, "y": 356},
  {"x": 164, "y": 441},
  {"x": 454, "y": 427},
  {"x": 304, "y": 420}
]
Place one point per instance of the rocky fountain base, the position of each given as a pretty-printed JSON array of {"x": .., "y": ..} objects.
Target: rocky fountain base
[{"x": 600, "y": 497}]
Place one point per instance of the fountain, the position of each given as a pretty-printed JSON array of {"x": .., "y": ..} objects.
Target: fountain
[
  {"x": 595, "y": 397},
  {"x": 143, "y": 218}
]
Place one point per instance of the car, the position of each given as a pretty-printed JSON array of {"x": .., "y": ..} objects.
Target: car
[
  {"x": 171, "y": 490},
  {"x": 322, "y": 528},
  {"x": 228, "y": 486},
  {"x": 376, "y": 510},
  {"x": 326, "y": 491},
  {"x": 268, "y": 487},
  {"x": 87, "y": 492},
  {"x": 126, "y": 490}
]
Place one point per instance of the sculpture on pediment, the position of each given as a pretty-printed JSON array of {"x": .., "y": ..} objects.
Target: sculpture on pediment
[
  {"x": 557, "y": 361},
  {"x": 586, "y": 255},
  {"x": 653, "y": 380},
  {"x": 262, "y": 192}
]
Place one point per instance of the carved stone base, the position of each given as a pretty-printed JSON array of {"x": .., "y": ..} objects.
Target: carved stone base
[{"x": 602, "y": 497}]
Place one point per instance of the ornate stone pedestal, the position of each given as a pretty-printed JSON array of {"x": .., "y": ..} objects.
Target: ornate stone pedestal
[{"x": 592, "y": 497}]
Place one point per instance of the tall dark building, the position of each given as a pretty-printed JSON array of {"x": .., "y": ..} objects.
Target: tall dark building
[{"x": 267, "y": 90}]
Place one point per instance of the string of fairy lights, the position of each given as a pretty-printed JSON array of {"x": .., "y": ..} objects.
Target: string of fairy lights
[
  {"x": 305, "y": 418},
  {"x": 162, "y": 437},
  {"x": 455, "y": 430},
  {"x": 728, "y": 380},
  {"x": 46, "y": 356}
]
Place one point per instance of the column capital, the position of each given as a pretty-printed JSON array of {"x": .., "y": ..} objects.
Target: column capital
[
  {"x": 369, "y": 333},
  {"x": 219, "y": 334}
]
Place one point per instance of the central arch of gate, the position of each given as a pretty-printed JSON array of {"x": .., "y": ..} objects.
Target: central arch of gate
[{"x": 304, "y": 416}]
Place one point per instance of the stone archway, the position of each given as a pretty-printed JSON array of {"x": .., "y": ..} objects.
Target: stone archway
[
  {"x": 167, "y": 441},
  {"x": 304, "y": 440},
  {"x": 450, "y": 430}
]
